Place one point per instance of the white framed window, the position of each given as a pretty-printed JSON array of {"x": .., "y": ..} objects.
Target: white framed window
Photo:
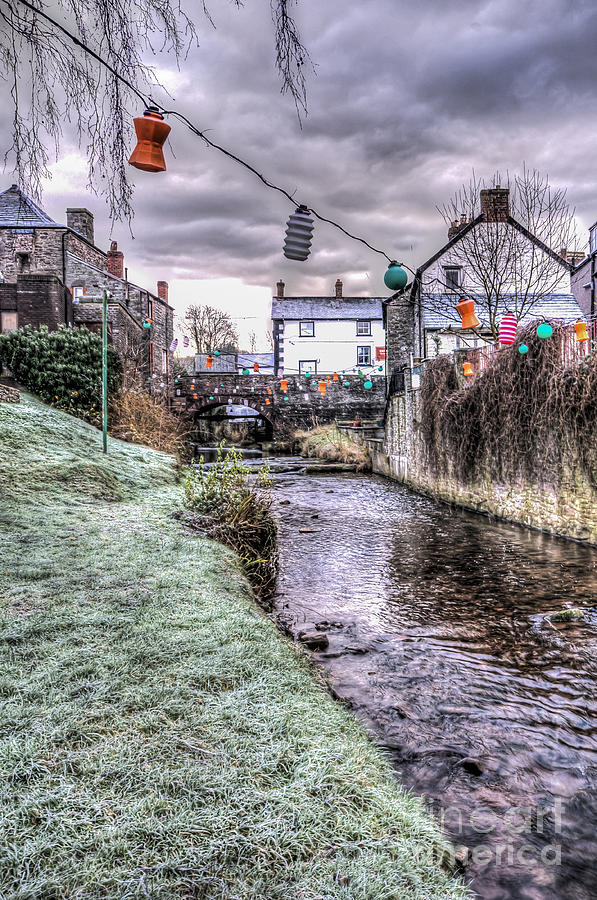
[
  {"x": 307, "y": 365},
  {"x": 9, "y": 321},
  {"x": 306, "y": 329},
  {"x": 363, "y": 356},
  {"x": 164, "y": 362},
  {"x": 452, "y": 278},
  {"x": 363, "y": 328}
]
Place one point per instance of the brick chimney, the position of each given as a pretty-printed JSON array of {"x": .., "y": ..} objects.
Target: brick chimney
[
  {"x": 280, "y": 290},
  {"x": 338, "y": 289},
  {"x": 495, "y": 204},
  {"x": 163, "y": 290},
  {"x": 115, "y": 259},
  {"x": 81, "y": 221}
]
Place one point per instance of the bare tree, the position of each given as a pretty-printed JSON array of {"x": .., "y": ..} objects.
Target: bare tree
[
  {"x": 514, "y": 262},
  {"x": 211, "y": 329},
  {"x": 83, "y": 61}
]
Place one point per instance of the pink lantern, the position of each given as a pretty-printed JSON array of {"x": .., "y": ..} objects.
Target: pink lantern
[{"x": 508, "y": 326}]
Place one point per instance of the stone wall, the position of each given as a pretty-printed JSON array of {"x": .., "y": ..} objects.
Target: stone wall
[
  {"x": 37, "y": 300},
  {"x": 9, "y": 394},
  {"x": 567, "y": 507}
]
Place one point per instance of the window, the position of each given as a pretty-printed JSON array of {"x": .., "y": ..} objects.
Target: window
[
  {"x": 593, "y": 239},
  {"x": 307, "y": 365},
  {"x": 306, "y": 329},
  {"x": 363, "y": 356},
  {"x": 78, "y": 292},
  {"x": 363, "y": 328},
  {"x": 9, "y": 321},
  {"x": 150, "y": 309},
  {"x": 164, "y": 362},
  {"x": 452, "y": 278},
  {"x": 151, "y": 357}
]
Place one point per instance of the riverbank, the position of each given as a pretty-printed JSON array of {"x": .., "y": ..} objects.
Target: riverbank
[{"x": 159, "y": 737}]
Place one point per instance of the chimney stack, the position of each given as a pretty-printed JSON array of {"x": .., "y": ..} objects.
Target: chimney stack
[
  {"x": 495, "y": 204},
  {"x": 338, "y": 289},
  {"x": 280, "y": 290},
  {"x": 115, "y": 260},
  {"x": 81, "y": 221},
  {"x": 163, "y": 290}
]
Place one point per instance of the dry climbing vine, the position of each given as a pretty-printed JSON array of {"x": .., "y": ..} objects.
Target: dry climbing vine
[{"x": 523, "y": 416}]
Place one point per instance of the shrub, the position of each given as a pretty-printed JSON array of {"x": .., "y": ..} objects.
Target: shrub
[
  {"x": 327, "y": 442},
  {"x": 63, "y": 367},
  {"x": 141, "y": 419},
  {"x": 230, "y": 504}
]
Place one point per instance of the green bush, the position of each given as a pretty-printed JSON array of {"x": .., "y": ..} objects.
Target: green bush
[
  {"x": 63, "y": 367},
  {"x": 228, "y": 503}
]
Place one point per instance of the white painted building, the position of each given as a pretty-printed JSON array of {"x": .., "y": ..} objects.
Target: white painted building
[
  {"x": 323, "y": 335},
  {"x": 498, "y": 263}
]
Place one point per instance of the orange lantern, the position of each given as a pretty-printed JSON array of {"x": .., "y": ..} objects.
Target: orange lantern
[
  {"x": 467, "y": 369},
  {"x": 209, "y": 361},
  {"x": 269, "y": 390},
  {"x": 284, "y": 384},
  {"x": 466, "y": 308},
  {"x": 151, "y": 131},
  {"x": 321, "y": 388},
  {"x": 335, "y": 376},
  {"x": 581, "y": 331},
  {"x": 192, "y": 387},
  {"x": 256, "y": 367},
  {"x": 194, "y": 396},
  {"x": 267, "y": 401}
]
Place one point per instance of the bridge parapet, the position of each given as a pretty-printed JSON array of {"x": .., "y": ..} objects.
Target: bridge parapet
[{"x": 300, "y": 406}]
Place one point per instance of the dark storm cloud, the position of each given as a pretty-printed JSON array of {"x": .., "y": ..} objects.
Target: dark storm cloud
[{"x": 407, "y": 100}]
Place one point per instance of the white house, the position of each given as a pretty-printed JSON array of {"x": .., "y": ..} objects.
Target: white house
[
  {"x": 323, "y": 335},
  {"x": 497, "y": 262}
]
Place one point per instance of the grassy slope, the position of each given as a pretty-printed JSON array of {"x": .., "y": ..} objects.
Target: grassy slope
[{"x": 159, "y": 738}]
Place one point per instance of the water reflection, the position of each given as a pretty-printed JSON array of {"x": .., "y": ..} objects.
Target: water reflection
[{"x": 441, "y": 646}]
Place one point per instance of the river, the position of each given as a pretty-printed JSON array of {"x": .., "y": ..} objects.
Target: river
[{"x": 438, "y": 642}]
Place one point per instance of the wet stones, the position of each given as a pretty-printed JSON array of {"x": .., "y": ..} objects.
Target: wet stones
[{"x": 314, "y": 640}]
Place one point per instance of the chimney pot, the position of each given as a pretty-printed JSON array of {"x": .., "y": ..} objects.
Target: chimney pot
[
  {"x": 115, "y": 260},
  {"x": 163, "y": 290},
  {"x": 338, "y": 289},
  {"x": 280, "y": 290}
]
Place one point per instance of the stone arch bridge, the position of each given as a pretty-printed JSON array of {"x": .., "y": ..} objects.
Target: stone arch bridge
[{"x": 301, "y": 406}]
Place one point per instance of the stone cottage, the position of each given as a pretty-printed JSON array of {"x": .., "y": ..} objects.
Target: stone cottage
[{"x": 54, "y": 274}]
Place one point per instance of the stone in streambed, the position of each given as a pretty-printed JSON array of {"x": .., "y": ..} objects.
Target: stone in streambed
[{"x": 314, "y": 640}]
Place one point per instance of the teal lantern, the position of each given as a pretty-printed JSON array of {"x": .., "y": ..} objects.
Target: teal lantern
[
  {"x": 211, "y": 398},
  {"x": 307, "y": 374},
  {"x": 347, "y": 384},
  {"x": 523, "y": 349},
  {"x": 380, "y": 368},
  {"x": 544, "y": 330},
  {"x": 286, "y": 399},
  {"x": 146, "y": 324},
  {"x": 395, "y": 278},
  {"x": 368, "y": 385},
  {"x": 217, "y": 353},
  {"x": 245, "y": 371}
]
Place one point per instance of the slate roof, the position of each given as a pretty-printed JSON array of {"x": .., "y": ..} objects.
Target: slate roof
[
  {"x": 19, "y": 211},
  {"x": 313, "y": 308},
  {"x": 562, "y": 307},
  {"x": 264, "y": 359}
]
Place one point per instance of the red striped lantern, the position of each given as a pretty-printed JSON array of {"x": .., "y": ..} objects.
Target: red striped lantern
[{"x": 507, "y": 331}]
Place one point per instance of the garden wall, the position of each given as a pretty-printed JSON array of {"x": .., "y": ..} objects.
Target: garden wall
[{"x": 566, "y": 505}]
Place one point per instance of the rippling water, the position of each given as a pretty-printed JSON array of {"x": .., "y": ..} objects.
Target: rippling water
[{"x": 439, "y": 643}]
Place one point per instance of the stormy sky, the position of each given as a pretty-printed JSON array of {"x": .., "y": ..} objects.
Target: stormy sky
[{"x": 405, "y": 101}]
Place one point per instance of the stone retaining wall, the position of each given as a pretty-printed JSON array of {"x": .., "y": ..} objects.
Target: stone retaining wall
[{"x": 9, "y": 394}]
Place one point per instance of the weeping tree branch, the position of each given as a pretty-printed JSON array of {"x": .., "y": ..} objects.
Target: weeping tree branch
[{"x": 83, "y": 62}]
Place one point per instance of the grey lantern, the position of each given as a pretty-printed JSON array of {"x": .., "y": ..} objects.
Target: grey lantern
[{"x": 299, "y": 232}]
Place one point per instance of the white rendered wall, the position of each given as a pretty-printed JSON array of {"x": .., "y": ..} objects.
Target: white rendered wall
[{"x": 334, "y": 346}]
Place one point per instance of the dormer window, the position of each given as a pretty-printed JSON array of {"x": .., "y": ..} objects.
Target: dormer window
[
  {"x": 593, "y": 239},
  {"x": 452, "y": 279}
]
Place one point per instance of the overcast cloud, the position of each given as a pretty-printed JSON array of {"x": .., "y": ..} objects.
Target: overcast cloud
[{"x": 406, "y": 100}]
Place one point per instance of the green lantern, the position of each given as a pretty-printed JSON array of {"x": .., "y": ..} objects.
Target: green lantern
[
  {"x": 544, "y": 330},
  {"x": 395, "y": 278},
  {"x": 523, "y": 349},
  {"x": 360, "y": 374},
  {"x": 368, "y": 385},
  {"x": 245, "y": 371}
]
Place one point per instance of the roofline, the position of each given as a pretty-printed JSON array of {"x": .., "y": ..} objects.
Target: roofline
[{"x": 539, "y": 243}]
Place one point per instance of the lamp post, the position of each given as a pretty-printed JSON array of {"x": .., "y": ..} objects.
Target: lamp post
[{"x": 105, "y": 371}]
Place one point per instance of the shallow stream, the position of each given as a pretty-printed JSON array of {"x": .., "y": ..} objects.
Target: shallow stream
[{"x": 438, "y": 640}]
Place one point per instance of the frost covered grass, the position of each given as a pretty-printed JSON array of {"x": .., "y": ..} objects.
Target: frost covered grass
[{"x": 159, "y": 738}]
